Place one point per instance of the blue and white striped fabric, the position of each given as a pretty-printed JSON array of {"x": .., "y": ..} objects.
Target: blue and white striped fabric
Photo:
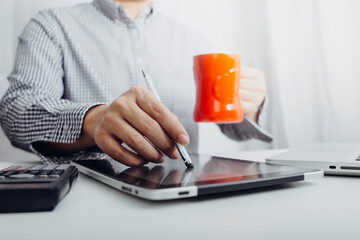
[{"x": 70, "y": 59}]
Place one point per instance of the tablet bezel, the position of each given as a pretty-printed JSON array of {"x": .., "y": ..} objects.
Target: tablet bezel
[{"x": 194, "y": 191}]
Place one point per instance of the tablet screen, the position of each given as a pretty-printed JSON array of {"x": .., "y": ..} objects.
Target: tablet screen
[{"x": 173, "y": 173}]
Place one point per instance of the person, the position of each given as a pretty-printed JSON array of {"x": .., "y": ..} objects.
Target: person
[{"x": 77, "y": 84}]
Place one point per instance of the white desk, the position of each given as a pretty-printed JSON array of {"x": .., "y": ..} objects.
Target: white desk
[{"x": 321, "y": 209}]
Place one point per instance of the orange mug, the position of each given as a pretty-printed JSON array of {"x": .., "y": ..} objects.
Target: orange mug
[{"x": 217, "y": 77}]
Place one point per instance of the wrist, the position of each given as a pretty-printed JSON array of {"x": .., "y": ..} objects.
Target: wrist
[
  {"x": 90, "y": 119},
  {"x": 253, "y": 116}
]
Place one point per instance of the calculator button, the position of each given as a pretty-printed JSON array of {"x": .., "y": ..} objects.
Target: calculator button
[
  {"x": 20, "y": 169},
  {"x": 11, "y": 168},
  {"x": 8, "y": 170},
  {"x": 57, "y": 172},
  {"x": 62, "y": 167},
  {"x": 44, "y": 172},
  {"x": 22, "y": 175},
  {"x": 35, "y": 172},
  {"x": 50, "y": 167},
  {"x": 42, "y": 176},
  {"x": 2, "y": 177},
  {"x": 36, "y": 167},
  {"x": 54, "y": 176},
  {"x": 9, "y": 173}
]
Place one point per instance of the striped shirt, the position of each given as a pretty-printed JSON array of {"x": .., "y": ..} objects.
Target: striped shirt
[{"x": 73, "y": 58}]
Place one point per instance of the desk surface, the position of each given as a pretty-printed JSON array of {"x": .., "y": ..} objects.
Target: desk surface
[{"x": 320, "y": 209}]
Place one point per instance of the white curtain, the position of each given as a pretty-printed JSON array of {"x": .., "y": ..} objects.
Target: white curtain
[
  {"x": 309, "y": 50},
  {"x": 314, "y": 47}
]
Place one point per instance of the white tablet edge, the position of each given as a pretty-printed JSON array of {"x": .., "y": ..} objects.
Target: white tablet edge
[{"x": 151, "y": 194}]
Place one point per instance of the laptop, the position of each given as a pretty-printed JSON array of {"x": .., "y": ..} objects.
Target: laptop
[
  {"x": 332, "y": 158},
  {"x": 172, "y": 180}
]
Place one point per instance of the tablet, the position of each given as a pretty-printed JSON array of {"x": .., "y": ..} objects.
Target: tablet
[{"x": 172, "y": 180}]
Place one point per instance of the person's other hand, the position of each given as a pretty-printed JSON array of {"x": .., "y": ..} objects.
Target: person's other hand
[
  {"x": 252, "y": 91},
  {"x": 131, "y": 118}
]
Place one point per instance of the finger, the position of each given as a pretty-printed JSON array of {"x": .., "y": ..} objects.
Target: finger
[
  {"x": 167, "y": 120},
  {"x": 133, "y": 174},
  {"x": 252, "y": 73},
  {"x": 136, "y": 141},
  {"x": 152, "y": 130},
  {"x": 251, "y": 84},
  {"x": 250, "y": 96},
  {"x": 246, "y": 95},
  {"x": 173, "y": 179},
  {"x": 250, "y": 108},
  {"x": 153, "y": 178},
  {"x": 114, "y": 149}
]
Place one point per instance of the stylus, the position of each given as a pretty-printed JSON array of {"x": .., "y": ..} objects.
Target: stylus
[
  {"x": 186, "y": 177},
  {"x": 184, "y": 155}
]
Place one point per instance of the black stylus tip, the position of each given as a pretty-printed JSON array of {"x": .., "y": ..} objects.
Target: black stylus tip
[{"x": 189, "y": 165}]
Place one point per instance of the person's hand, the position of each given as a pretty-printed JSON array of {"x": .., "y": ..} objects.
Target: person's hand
[
  {"x": 130, "y": 118},
  {"x": 252, "y": 91}
]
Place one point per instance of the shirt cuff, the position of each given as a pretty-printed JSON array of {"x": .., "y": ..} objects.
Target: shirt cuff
[
  {"x": 66, "y": 128},
  {"x": 90, "y": 153},
  {"x": 245, "y": 130},
  {"x": 69, "y": 122},
  {"x": 248, "y": 129},
  {"x": 263, "y": 110},
  {"x": 257, "y": 131}
]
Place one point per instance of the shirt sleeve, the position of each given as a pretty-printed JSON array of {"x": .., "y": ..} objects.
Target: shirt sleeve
[
  {"x": 33, "y": 108},
  {"x": 248, "y": 129}
]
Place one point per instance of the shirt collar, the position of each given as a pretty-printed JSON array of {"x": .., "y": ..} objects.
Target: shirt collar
[{"x": 115, "y": 11}]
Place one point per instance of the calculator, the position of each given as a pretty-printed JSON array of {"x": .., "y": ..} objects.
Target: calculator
[{"x": 28, "y": 188}]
